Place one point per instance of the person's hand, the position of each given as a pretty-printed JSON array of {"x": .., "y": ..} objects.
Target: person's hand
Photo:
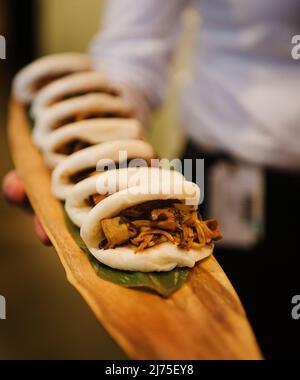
[{"x": 14, "y": 192}]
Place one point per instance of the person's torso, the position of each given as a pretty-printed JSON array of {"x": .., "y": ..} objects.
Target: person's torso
[{"x": 244, "y": 97}]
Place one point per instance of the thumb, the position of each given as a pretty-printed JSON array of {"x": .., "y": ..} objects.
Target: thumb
[{"x": 40, "y": 232}]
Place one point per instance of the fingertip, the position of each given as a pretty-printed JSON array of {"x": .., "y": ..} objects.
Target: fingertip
[
  {"x": 41, "y": 233},
  {"x": 13, "y": 188}
]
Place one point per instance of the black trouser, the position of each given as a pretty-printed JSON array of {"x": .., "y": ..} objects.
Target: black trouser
[{"x": 267, "y": 277}]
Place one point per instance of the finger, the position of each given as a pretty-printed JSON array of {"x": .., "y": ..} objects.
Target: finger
[
  {"x": 13, "y": 188},
  {"x": 40, "y": 232}
]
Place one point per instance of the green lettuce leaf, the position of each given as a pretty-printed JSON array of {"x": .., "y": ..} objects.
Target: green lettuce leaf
[{"x": 163, "y": 283}]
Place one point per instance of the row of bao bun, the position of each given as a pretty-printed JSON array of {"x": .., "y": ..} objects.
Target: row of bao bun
[{"x": 132, "y": 215}]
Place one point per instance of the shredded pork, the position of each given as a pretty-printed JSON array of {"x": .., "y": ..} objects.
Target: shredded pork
[
  {"x": 96, "y": 90},
  {"x": 91, "y": 115},
  {"x": 94, "y": 199},
  {"x": 155, "y": 222},
  {"x": 70, "y": 147},
  {"x": 73, "y": 119},
  {"x": 83, "y": 174},
  {"x": 44, "y": 81},
  {"x": 89, "y": 172}
]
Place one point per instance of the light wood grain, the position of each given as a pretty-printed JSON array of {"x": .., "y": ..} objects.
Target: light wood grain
[{"x": 202, "y": 320}]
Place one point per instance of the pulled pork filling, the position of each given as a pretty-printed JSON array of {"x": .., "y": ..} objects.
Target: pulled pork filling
[
  {"x": 89, "y": 172},
  {"x": 155, "y": 222},
  {"x": 83, "y": 174},
  {"x": 44, "y": 81},
  {"x": 91, "y": 115},
  {"x": 72, "y": 146},
  {"x": 94, "y": 199},
  {"x": 96, "y": 90}
]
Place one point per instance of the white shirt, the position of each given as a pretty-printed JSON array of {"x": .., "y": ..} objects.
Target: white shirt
[{"x": 244, "y": 94}]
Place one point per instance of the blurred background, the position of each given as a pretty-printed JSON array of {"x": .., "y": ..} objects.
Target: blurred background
[{"x": 46, "y": 318}]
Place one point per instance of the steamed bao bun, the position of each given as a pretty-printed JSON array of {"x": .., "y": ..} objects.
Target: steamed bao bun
[
  {"x": 161, "y": 258},
  {"x": 68, "y": 87},
  {"x": 44, "y": 68},
  {"x": 97, "y": 105},
  {"x": 110, "y": 182},
  {"x": 92, "y": 131},
  {"x": 95, "y": 156}
]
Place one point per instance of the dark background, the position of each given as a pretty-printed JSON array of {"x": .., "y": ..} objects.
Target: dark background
[{"x": 46, "y": 318}]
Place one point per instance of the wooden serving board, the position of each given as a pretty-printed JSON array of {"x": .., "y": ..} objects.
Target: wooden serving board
[{"x": 204, "y": 319}]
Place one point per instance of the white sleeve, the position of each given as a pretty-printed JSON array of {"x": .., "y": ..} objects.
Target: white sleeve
[{"x": 136, "y": 44}]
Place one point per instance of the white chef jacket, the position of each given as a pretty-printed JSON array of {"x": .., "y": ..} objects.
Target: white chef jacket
[{"x": 243, "y": 97}]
